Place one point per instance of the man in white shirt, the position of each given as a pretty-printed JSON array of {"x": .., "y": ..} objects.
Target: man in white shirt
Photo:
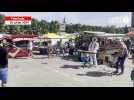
[
  {"x": 93, "y": 47},
  {"x": 30, "y": 48}
]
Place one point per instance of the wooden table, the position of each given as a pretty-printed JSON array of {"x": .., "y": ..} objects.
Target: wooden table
[{"x": 83, "y": 51}]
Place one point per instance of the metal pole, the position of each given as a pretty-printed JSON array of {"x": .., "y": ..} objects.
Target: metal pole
[{"x": 132, "y": 20}]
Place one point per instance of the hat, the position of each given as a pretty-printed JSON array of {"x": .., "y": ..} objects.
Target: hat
[{"x": 94, "y": 39}]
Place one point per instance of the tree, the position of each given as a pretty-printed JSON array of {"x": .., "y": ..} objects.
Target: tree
[
  {"x": 44, "y": 26},
  {"x": 35, "y": 24},
  {"x": 54, "y": 26},
  {"x": 126, "y": 30},
  {"x": 1, "y": 22}
]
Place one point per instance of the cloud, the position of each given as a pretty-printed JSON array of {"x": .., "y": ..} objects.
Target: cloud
[{"x": 119, "y": 20}]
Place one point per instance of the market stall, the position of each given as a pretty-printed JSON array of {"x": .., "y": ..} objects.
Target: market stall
[
  {"x": 17, "y": 44},
  {"x": 107, "y": 41},
  {"x": 56, "y": 40},
  {"x": 130, "y": 34},
  {"x": 54, "y": 37}
]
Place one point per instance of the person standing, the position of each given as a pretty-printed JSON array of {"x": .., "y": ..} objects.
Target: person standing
[
  {"x": 3, "y": 65},
  {"x": 71, "y": 47},
  {"x": 93, "y": 47},
  {"x": 50, "y": 49},
  {"x": 45, "y": 49},
  {"x": 30, "y": 48},
  {"x": 123, "y": 53}
]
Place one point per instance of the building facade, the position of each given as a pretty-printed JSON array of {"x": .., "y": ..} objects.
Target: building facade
[{"x": 62, "y": 28}]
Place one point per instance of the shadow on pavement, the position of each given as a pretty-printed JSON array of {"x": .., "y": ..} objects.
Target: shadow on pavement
[
  {"x": 72, "y": 66},
  {"x": 44, "y": 63},
  {"x": 39, "y": 57},
  {"x": 36, "y": 53},
  {"x": 70, "y": 58},
  {"x": 20, "y": 58},
  {"x": 95, "y": 74}
]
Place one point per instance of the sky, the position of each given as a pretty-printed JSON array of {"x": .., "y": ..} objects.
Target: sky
[{"x": 118, "y": 19}]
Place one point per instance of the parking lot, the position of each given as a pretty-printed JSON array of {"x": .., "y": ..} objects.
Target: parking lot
[{"x": 63, "y": 72}]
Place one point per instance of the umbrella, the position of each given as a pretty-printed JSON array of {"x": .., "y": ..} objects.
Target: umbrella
[
  {"x": 51, "y": 36},
  {"x": 130, "y": 34},
  {"x": 69, "y": 36}
]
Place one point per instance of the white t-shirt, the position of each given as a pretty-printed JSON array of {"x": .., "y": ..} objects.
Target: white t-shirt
[
  {"x": 93, "y": 47},
  {"x": 30, "y": 45}
]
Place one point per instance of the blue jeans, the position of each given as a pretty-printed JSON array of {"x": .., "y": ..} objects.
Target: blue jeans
[
  {"x": 3, "y": 74},
  {"x": 85, "y": 59},
  {"x": 120, "y": 63}
]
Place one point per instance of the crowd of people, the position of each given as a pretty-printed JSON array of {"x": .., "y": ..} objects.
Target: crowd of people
[{"x": 67, "y": 48}]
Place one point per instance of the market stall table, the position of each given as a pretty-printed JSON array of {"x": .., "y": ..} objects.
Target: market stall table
[{"x": 86, "y": 58}]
